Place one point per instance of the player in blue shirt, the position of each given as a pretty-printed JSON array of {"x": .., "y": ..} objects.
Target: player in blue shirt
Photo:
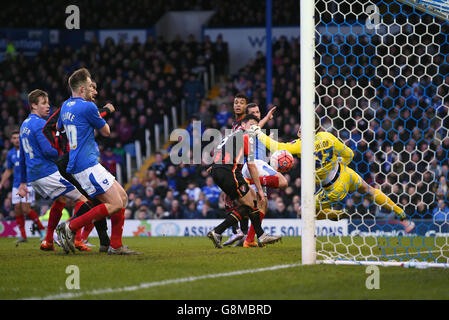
[
  {"x": 22, "y": 207},
  {"x": 38, "y": 168},
  {"x": 80, "y": 118}
]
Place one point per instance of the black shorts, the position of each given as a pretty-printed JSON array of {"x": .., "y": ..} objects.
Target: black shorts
[{"x": 231, "y": 182}]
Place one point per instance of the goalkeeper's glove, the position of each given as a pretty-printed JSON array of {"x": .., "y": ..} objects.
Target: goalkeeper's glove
[{"x": 255, "y": 129}]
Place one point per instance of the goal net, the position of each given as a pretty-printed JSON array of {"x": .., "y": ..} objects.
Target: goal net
[{"x": 382, "y": 88}]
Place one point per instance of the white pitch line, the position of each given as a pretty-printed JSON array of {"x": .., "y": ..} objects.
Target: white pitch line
[{"x": 71, "y": 295}]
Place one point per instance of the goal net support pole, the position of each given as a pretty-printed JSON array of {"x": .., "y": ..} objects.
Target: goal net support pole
[{"x": 307, "y": 38}]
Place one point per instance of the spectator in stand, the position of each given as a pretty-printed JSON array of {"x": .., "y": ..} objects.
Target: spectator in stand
[
  {"x": 160, "y": 212},
  {"x": 124, "y": 131},
  {"x": 193, "y": 93},
  {"x": 175, "y": 211},
  {"x": 168, "y": 199},
  {"x": 193, "y": 191},
  {"x": 156, "y": 202},
  {"x": 183, "y": 180},
  {"x": 152, "y": 180},
  {"x": 441, "y": 212},
  {"x": 281, "y": 211},
  {"x": 136, "y": 187},
  {"x": 212, "y": 192},
  {"x": 142, "y": 214},
  {"x": 171, "y": 177},
  {"x": 109, "y": 160},
  {"x": 148, "y": 195},
  {"x": 159, "y": 166},
  {"x": 208, "y": 212},
  {"x": 224, "y": 115},
  {"x": 191, "y": 212}
]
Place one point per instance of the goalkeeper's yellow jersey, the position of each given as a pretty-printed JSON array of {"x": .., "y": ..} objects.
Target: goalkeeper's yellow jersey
[{"x": 329, "y": 152}]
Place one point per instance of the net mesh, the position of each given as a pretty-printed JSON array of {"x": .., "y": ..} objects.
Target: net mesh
[{"x": 382, "y": 84}]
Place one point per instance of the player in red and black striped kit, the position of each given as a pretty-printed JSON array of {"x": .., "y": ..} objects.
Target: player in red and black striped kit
[
  {"x": 59, "y": 141},
  {"x": 226, "y": 171}
]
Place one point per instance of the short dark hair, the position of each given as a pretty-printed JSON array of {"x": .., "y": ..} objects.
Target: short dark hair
[
  {"x": 250, "y": 105},
  {"x": 15, "y": 131},
  {"x": 241, "y": 96},
  {"x": 78, "y": 77},
  {"x": 249, "y": 117},
  {"x": 33, "y": 96}
]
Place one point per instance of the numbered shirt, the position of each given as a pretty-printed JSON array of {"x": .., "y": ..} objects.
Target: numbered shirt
[
  {"x": 13, "y": 162},
  {"x": 79, "y": 118},
  {"x": 235, "y": 149},
  {"x": 329, "y": 151},
  {"x": 37, "y": 156}
]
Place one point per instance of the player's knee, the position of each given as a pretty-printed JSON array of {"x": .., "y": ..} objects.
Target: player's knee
[
  {"x": 244, "y": 210},
  {"x": 124, "y": 200},
  {"x": 61, "y": 200},
  {"x": 283, "y": 183},
  {"x": 113, "y": 207}
]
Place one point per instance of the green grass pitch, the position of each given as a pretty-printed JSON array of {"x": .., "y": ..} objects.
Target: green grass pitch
[{"x": 172, "y": 268}]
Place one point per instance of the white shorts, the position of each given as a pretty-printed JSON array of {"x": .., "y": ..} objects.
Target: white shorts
[
  {"x": 18, "y": 199},
  {"x": 263, "y": 168},
  {"x": 54, "y": 186},
  {"x": 95, "y": 180}
]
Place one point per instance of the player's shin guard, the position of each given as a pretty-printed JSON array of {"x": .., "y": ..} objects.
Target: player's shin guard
[
  {"x": 244, "y": 225},
  {"x": 20, "y": 220},
  {"x": 232, "y": 219},
  {"x": 78, "y": 235},
  {"x": 117, "y": 221},
  {"x": 35, "y": 217},
  {"x": 235, "y": 227},
  {"x": 86, "y": 231},
  {"x": 102, "y": 229},
  {"x": 97, "y": 213},
  {"x": 81, "y": 208},
  {"x": 254, "y": 216},
  {"x": 53, "y": 220},
  {"x": 252, "y": 232}
]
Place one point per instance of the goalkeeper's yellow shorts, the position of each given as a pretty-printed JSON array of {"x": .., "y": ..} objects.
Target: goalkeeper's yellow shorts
[{"x": 347, "y": 182}]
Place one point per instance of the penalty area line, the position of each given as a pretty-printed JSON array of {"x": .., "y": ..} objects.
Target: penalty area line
[{"x": 72, "y": 295}]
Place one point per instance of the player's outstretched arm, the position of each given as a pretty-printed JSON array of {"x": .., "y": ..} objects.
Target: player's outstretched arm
[
  {"x": 268, "y": 117},
  {"x": 293, "y": 147}
]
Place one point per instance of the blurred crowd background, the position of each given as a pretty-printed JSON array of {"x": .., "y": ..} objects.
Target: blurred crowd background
[{"x": 370, "y": 93}]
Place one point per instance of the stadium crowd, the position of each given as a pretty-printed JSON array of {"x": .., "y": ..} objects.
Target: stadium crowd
[{"x": 143, "y": 81}]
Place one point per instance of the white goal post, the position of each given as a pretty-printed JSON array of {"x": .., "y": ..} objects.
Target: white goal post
[{"x": 307, "y": 38}]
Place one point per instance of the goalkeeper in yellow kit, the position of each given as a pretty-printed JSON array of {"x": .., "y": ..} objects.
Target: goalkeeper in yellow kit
[{"x": 333, "y": 175}]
